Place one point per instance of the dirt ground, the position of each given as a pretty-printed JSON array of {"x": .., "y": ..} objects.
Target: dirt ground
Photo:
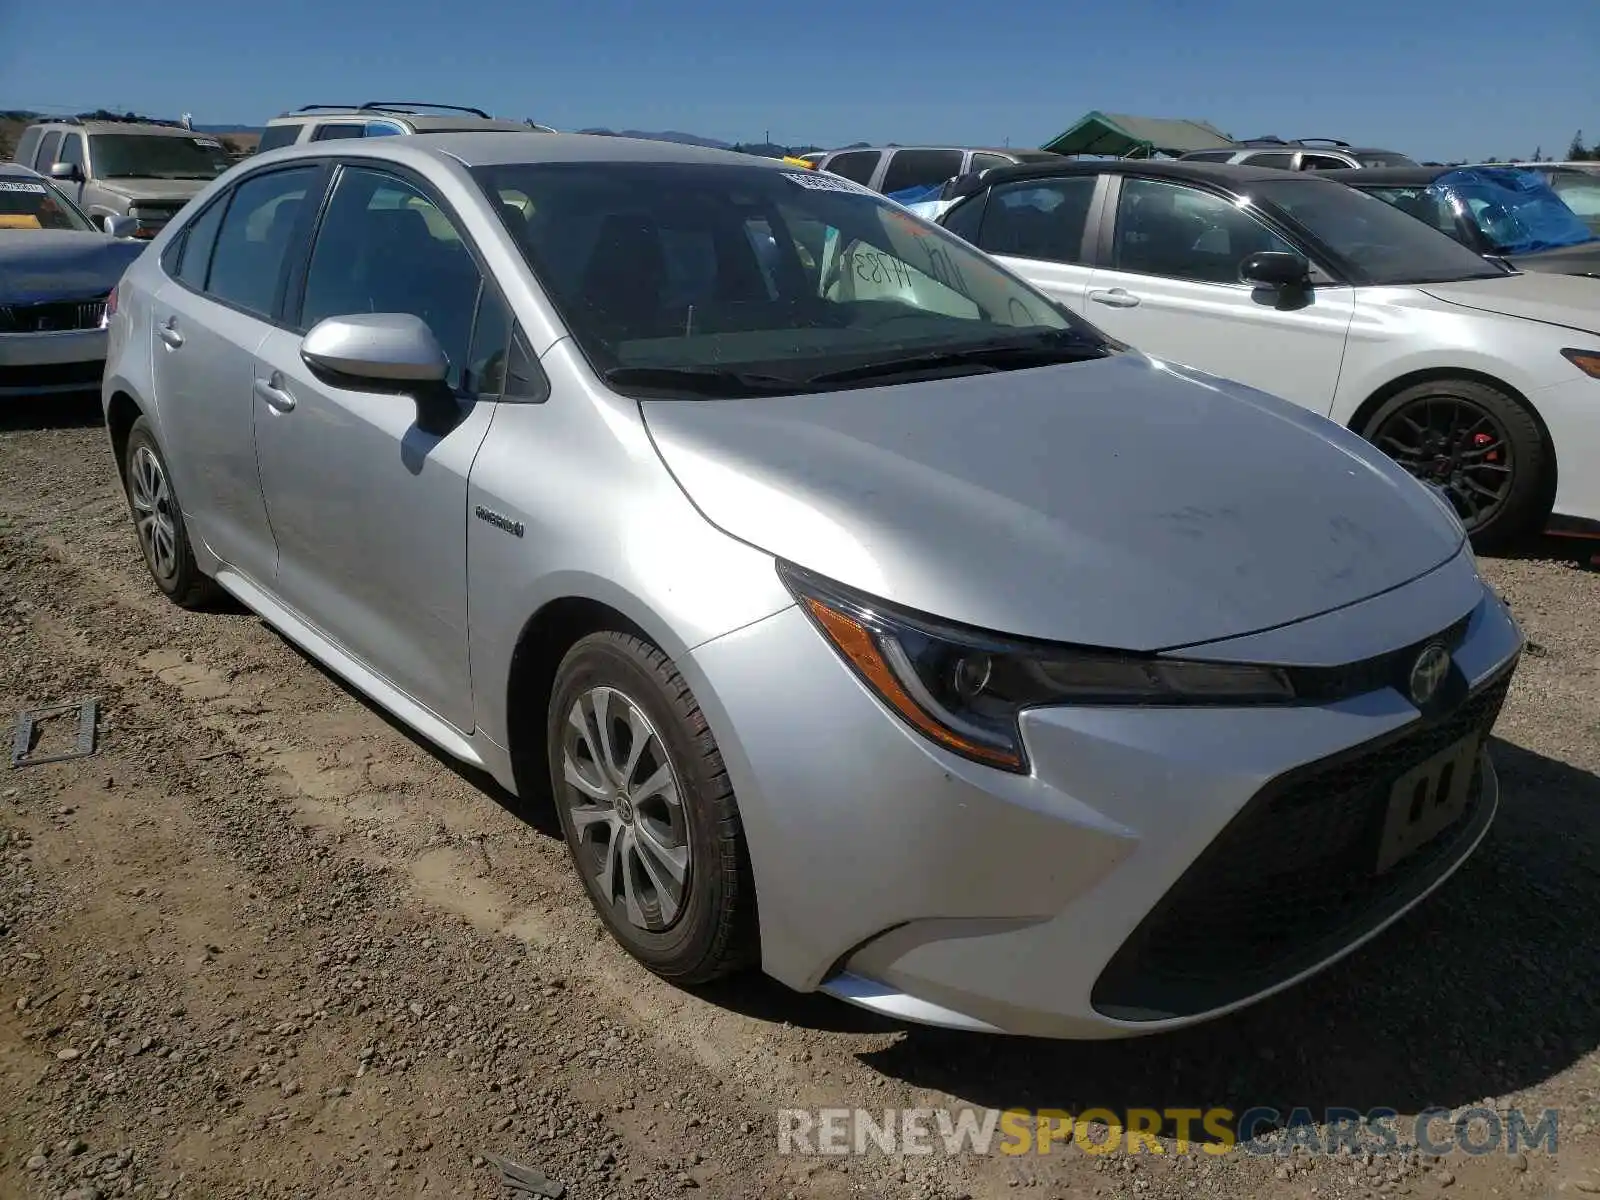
[{"x": 264, "y": 943}]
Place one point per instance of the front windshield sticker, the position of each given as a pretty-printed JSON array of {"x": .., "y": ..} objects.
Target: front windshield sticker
[
  {"x": 7, "y": 185},
  {"x": 208, "y": 143},
  {"x": 827, "y": 183}
]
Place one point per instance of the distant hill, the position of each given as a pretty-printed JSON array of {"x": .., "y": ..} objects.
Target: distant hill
[{"x": 668, "y": 135}]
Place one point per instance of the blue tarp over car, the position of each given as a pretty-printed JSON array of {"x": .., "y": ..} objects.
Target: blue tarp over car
[{"x": 1516, "y": 209}]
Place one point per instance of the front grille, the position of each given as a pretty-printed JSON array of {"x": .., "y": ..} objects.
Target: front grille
[
  {"x": 1293, "y": 877},
  {"x": 54, "y": 317},
  {"x": 86, "y": 375}
]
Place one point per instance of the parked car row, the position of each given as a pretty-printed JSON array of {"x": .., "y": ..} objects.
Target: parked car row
[{"x": 796, "y": 549}]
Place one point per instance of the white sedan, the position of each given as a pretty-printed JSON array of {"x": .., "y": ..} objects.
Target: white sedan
[{"x": 1481, "y": 380}]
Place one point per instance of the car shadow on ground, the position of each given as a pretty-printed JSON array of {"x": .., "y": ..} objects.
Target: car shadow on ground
[
  {"x": 19, "y": 414},
  {"x": 1483, "y": 990}
]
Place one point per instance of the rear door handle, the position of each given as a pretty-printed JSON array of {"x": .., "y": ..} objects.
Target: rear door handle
[
  {"x": 1115, "y": 298},
  {"x": 169, "y": 334},
  {"x": 272, "y": 393}
]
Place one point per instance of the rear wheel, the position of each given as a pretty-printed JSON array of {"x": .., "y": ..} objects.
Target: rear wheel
[
  {"x": 648, "y": 810},
  {"x": 1480, "y": 446},
  {"x": 158, "y": 521}
]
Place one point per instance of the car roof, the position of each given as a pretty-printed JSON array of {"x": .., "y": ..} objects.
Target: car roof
[
  {"x": 1222, "y": 174},
  {"x": 421, "y": 122},
  {"x": 138, "y": 127},
  {"x": 962, "y": 149},
  {"x": 490, "y": 148}
]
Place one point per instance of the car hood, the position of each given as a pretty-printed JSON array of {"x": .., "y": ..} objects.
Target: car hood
[
  {"x": 177, "y": 191},
  {"x": 1582, "y": 259},
  {"x": 1118, "y": 503},
  {"x": 38, "y": 265},
  {"x": 1569, "y": 300}
]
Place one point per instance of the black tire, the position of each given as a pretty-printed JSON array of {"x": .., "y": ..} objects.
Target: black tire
[
  {"x": 711, "y": 930},
  {"x": 169, "y": 557},
  {"x": 1504, "y": 445}
]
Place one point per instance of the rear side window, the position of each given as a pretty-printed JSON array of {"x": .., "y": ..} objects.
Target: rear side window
[
  {"x": 1041, "y": 218},
  {"x": 920, "y": 168},
  {"x": 27, "y": 145},
  {"x": 275, "y": 136},
  {"x": 982, "y": 161},
  {"x": 336, "y": 131},
  {"x": 1281, "y": 162},
  {"x": 1322, "y": 162},
  {"x": 855, "y": 164},
  {"x": 198, "y": 242},
  {"x": 253, "y": 243},
  {"x": 47, "y": 152}
]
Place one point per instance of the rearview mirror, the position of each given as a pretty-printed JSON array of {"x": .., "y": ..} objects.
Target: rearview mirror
[
  {"x": 392, "y": 350},
  {"x": 68, "y": 171},
  {"x": 1275, "y": 269},
  {"x": 122, "y": 226}
]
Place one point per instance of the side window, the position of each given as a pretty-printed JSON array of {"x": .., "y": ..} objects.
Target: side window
[
  {"x": 274, "y": 136},
  {"x": 71, "y": 149},
  {"x": 1322, "y": 162},
  {"x": 1183, "y": 233},
  {"x": 1041, "y": 218},
  {"x": 485, "y": 373},
  {"x": 379, "y": 129},
  {"x": 982, "y": 161},
  {"x": 337, "y": 130},
  {"x": 920, "y": 168},
  {"x": 1280, "y": 162},
  {"x": 857, "y": 165},
  {"x": 965, "y": 218},
  {"x": 48, "y": 145},
  {"x": 198, "y": 242},
  {"x": 27, "y": 145},
  {"x": 252, "y": 244},
  {"x": 384, "y": 246}
]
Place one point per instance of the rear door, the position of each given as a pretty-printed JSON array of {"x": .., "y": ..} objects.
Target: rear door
[
  {"x": 215, "y": 308},
  {"x": 1169, "y": 285},
  {"x": 1040, "y": 229}
]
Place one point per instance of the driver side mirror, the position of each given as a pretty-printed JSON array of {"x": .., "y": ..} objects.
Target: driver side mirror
[
  {"x": 70, "y": 172},
  {"x": 1276, "y": 269},
  {"x": 389, "y": 352},
  {"x": 122, "y": 226}
]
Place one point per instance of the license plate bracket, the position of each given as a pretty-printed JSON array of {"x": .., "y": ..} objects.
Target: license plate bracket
[{"x": 1427, "y": 800}]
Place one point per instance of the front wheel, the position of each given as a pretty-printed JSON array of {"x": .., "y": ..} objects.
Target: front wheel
[
  {"x": 1481, "y": 446},
  {"x": 648, "y": 810}
]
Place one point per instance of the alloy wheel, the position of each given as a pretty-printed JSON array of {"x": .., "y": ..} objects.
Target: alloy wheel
[
  {"x": 154, "y": 514},
  {"x": 625, "y": 807},
  {"x": 1458, "y": 446}
]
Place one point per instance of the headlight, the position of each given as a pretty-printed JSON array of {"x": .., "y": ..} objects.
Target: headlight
[{"x": 965, "y": 689}]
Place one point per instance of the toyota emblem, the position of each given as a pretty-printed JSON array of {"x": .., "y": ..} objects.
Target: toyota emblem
[{"x": 1427, "y": 673}]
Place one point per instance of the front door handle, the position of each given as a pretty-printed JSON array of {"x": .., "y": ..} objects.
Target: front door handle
[
  {"x": 169, "y": 334},
  {"x": 273, "y": 394},
  {"x": 1115, "y": 298}
]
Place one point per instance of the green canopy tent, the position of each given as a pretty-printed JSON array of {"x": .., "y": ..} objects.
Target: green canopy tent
[{"x": 1122, "y": 136}]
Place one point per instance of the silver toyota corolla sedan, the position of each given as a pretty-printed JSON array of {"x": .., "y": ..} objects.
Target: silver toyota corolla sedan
[{"x": 865, "y": 614}]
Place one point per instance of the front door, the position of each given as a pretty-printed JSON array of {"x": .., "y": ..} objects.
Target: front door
[
  {"x": 1171, "y": 289},
  {"x": 369, "y": 511}
]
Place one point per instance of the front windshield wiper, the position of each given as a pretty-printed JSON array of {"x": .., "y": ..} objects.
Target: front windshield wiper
[
  {"x": 1058, "y": 346},
  {"x": 703, "y": 381}
]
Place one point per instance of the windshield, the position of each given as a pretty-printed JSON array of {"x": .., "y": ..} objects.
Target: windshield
[
  {"x": 686, "y": 270},
  {"x": 35, "y": 204},
  {"x": 1516, "y": 211},
  {"x": 1373, "y": 243},
  {"x": 156, "y": 156}
]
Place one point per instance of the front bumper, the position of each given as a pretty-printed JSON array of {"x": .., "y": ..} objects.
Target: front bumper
[
  {"x": 1071, "y": 902},
  {"x": 32, "y": 364}
]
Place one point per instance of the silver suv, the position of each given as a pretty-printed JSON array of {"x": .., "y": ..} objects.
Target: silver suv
[
  {"x": 1304, "y": 154},
  {"x": 143, "y": 169},
  {"x": 895, "y": 169},
  {"x": 381, "y": 118}
]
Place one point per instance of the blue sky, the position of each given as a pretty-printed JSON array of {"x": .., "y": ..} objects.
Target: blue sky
[{"x": 1438, "y": 79}]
